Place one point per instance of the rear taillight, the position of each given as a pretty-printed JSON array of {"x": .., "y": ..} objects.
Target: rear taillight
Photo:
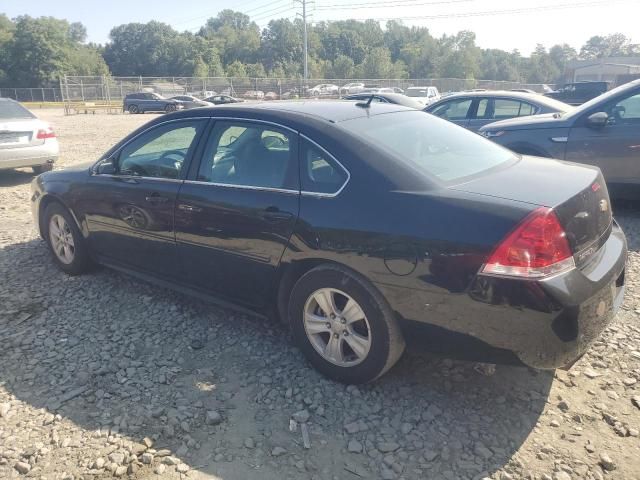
[
  {"x": 538, "y": 247},
  {"x": 45, "y": 133}
]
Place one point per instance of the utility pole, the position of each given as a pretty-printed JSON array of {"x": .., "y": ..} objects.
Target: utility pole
[{"x": 305, "y": 37}]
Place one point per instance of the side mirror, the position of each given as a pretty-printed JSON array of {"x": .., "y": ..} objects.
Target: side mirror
[
  {"x": 106, "y": 167},
  {"x": 598, "y": 119}
]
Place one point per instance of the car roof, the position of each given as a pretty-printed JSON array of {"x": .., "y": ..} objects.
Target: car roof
[{"x": 333, "y": 111}]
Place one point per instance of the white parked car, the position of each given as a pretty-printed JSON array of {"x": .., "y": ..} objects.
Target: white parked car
[
  {"x": 354, "y": 87},
  {"x": 324, "y": 89},
  {"x": 425, "y": 95},
  {"x": 25, "y": 141}
]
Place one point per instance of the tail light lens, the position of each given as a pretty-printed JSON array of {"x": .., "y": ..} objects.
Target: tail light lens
[
  {"x": 45, "y": 133},
  {"x": 538, "y": 247}
]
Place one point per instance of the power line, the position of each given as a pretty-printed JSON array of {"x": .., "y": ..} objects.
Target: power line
[
  {"x": 272, "y": 14},
  {"x": 488, "y": 13},
  {"x": 388, "y": 3}
]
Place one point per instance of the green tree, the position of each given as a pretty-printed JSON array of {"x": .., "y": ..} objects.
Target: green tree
[
  {"x": 614, "y": 45},
  {"x": 236, "y": 69},
  {"x": 37, "y": 51}
]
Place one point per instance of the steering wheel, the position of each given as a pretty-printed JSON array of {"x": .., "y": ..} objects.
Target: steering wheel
[{"x": 179, "y": 153}]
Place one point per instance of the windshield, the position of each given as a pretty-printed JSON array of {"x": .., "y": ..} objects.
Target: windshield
[
  {"x": 431, "y": 145},
  {"x": 555, "y": 104},
  {"x": 13, "y": 110},
  {"x": 599, "y": 99}
]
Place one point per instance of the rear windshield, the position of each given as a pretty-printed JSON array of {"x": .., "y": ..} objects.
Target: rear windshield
[
  {"x": 11, "y": 110},
  {"x": 432, "y": 145},
  {"x": 416, "y": 92}
]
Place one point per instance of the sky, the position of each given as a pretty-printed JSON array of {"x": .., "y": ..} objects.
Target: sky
[{"x": 504, "y": 24}]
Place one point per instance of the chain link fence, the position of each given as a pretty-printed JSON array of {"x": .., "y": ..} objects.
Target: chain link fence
[
  {"x": 109, "y": 91},
  {"x": 43, "y": 94}
]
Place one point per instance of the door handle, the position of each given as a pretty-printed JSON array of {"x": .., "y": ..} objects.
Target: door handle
[
  {"x": 155, "y": 198},
  {"x": 189, "y": 208}
]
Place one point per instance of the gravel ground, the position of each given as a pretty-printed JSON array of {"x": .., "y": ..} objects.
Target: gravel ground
[{"x": 104, "y": 376}]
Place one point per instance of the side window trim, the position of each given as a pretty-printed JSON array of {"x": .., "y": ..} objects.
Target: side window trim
[
  {"x": 198, "y": 158},
  {"x": 346, "y": 171},
  {"x": 194, "y": 150}
]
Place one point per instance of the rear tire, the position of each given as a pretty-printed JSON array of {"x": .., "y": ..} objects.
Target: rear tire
[
  {"x": 133, "y": 109},
  {"x": 170, "y": 108},
  {"x": 38, "y": 169},
  {"x": 66, "y": 243},
  {"x": 359, "y": 316}
]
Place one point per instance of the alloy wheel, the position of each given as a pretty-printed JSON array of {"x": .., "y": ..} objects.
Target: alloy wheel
[
  {"x": 61, "y": 239},
  {"x": 337, "y": 327}
]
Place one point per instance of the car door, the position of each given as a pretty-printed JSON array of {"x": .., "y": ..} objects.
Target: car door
[
  {"x": 236, "y": 212},
  {"x": 130, "y": 197},
  {"x": 456, "y": 110},
  {"x": 614, "y": 147}
]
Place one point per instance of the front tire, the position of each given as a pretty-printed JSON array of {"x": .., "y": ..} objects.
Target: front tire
[
  {"x": 66, "y": 243},
  {"x": 343, "y": 325},
  {"x": 170, "y": 108}
]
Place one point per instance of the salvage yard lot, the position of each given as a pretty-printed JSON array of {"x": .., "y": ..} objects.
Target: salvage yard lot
[{"x": 103, "y": 375}]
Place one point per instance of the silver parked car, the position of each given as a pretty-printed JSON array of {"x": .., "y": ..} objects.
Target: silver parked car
[
  {"x": 25, "y": 141},
  {"x": 189, "y": 101},
  {"x": 473, "y": 110}
]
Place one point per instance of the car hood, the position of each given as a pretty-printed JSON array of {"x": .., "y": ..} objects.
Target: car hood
[{"x": 545, "y": 120}]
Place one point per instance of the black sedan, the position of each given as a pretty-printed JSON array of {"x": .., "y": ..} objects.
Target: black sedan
[
  {"x": 362, "y": 226},
  {"x": 223, "y": 99},
  {"x": 386, "y": 97}
]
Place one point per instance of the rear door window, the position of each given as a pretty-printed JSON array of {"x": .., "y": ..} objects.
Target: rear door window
[
  {"x": 320, "y": 172},
  {"x": 453, "y": 109}
]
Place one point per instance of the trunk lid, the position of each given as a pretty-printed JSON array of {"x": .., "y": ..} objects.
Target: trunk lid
[
  {"x": 20, "y": 133},
  {"x": 577, "y": 193}
]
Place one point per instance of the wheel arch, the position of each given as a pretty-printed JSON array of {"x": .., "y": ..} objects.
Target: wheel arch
[
  {"x": 293, "y": 271},
  {"x": 47, "y": 200}
]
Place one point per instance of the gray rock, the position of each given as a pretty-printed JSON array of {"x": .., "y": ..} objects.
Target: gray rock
[
  {"x": 351, "y": 428},
  {"x": 171, "y": 460},
  {"x": 302, "y": 416},
  {"x": 147, "y": 458},
  {"x": 386, "y": 447},
  {"x": 278, "y": 451},
  {"x": 354, "y": 446},
  {"x": 120, "y": 471},
  {"x": 249, "y": 443},
  {"x": 213, "y": 418},
  {"x": 606, "y": 462},
  {"x": 482, "y": 451},
  {"x": 117, "y": 457},
  {"x": 22, "y": 467}
]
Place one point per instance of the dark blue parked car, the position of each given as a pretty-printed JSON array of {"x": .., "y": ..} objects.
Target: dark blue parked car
[{"x": 150, "y": 102}]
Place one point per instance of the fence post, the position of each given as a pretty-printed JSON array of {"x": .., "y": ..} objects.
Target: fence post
[{"x": 82, "y": 90}]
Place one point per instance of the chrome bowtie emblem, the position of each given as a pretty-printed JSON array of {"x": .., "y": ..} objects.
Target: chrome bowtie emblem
[{"x": 604, "y": 205}]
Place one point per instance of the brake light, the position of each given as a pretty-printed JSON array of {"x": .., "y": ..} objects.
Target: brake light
[
  {"x": 45, "y": 133},
  {"x": 538, "y": 247}
]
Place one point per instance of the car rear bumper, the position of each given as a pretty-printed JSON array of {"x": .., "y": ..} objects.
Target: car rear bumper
[
  {"x": 546, "y": 324},
  {"x": 29, "y": 156}
]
